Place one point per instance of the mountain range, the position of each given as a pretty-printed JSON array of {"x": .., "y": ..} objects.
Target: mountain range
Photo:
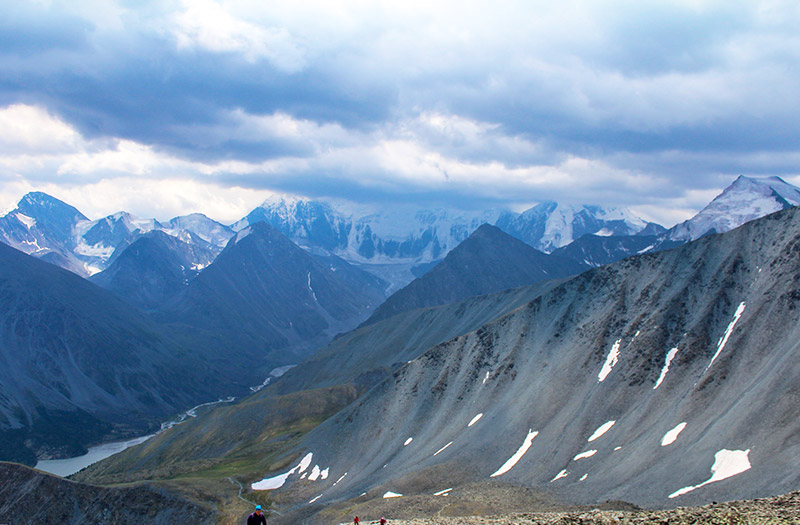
[
  {"x": 99, "y": 365},
  {"x": 664, "y": 379},
  {"x": 395, "y": 243},
  {"x": 498, "y": 363}
]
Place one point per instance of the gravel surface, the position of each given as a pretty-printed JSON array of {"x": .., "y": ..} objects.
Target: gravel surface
[{"x": 767, "y": 511}]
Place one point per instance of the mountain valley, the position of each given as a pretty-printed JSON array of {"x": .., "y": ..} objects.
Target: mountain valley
[{"x": 633, "y": 365}]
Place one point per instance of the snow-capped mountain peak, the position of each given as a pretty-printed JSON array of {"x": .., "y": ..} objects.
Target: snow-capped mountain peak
[{"x": 747, "y": 198}]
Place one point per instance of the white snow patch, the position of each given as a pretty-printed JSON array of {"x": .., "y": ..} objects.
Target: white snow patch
[
  {"x": 443, "y": 492},
  {"x": 271, "y": 483},
  {"x": 96, "y": 250},
  {"x": 645, "y": 250},
  {"x": 91, "y": 270},
  {"x": 584, "y": 477},
  {"x": 475, "y": 419},
  {"x": 242, "y": 234},
  {"x": 727, "y": 334},
  {"x": 340, "y": 479},
  {"x": 311, "y": 289},
  {"x": 611, "y": 361},
  {"x": 315, "y": 499},
  {"x": 602, "y": 429},
  {"x": 562, "y": 474},
  {"x": 29, "y": 222},
  {"x": 363, "y": 494},
  {"x": 670, "y": 356},
  {"x": 727, "y": 463},
  {"x": 670, "y": 437},
  {"x": 305, "y": 462},
  {"x": 408, "y": 441},
  {"x": 485, "y": 378},
  {"x": 277, "y": 482},
  {"x": 617, "y": 448},
  {"x": 390, "y": 494},
  {"x": 582, "y": 455},
  {"x": 304, "y": 475},
  {"x": 442, "y": 449},
  {"x": 315, "y": 472},
  {"x": 518, "y": 454}
]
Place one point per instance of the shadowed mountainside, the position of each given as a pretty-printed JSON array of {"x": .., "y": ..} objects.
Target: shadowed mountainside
[
  {"x": 31, "y": 496},
  {"x": 488, "y": 261}
]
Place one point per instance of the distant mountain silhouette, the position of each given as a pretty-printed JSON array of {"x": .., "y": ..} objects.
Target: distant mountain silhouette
[{"x": 488, "y": 261}]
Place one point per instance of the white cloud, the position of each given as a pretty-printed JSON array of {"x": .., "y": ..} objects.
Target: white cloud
[
  {"x": 207, "y": 24},
  {"x": 29, "y": 129}
]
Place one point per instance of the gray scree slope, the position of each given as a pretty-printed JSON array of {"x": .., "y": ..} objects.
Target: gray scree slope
[{"x": 538, "y": 369}]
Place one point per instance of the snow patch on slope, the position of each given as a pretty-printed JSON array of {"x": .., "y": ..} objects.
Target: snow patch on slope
[
  {"x": 605, "y": 427},
  {"x": 670, "y": 437},
  {"x": 611, "y": 361},
  {"x": 724, "y": 339},
  {"x": 727, "y": 463},
  {"x": 670, "y": 356},
  {"x": 517, "y": 455}
]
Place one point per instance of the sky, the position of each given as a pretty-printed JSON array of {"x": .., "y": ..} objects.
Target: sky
[{"x": 163, "y": 108}]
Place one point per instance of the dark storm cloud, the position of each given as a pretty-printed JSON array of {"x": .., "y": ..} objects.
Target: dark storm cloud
[{"x": 476, "y": 101}]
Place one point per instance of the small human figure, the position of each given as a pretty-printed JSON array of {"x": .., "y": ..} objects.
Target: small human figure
[
  {"x": 257, "y": 518},
  {"x": 383, "y": 521},
  {"x": 356, "y": 520}
]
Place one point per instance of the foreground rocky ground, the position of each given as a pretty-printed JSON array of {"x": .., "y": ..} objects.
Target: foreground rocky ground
[{"x": 778, "y": 510}]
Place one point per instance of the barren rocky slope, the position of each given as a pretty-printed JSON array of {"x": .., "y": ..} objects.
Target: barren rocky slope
[{"x": 664, "y": 380}]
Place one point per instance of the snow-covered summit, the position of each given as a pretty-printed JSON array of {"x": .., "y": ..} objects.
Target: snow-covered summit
[
  {"x": 746, "y": 199},
  {"x": 408, "y": 234},
  {"x": 44, "y": 226},
  {"x": 203, "y": 227},
  {"x": 551, "y": 225}
]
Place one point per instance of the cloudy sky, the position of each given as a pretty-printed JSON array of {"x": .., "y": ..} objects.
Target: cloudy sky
[{"x": 163, "y": 108}]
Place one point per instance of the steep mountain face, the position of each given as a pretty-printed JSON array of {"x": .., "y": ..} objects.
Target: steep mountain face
[
  {"x": 152, "y": 269},
  {"x": 74, "y": 355},
  {"x": 265, "y": 292},
  {"x": 46, "y": 227},
  {"x": 31, "y": 496},
  {"x": 744, "y": 200},
  {"x": 42, "y": 225},
  {"x": 664, "y": 379},
  {"x": 487, "y": 261}
]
